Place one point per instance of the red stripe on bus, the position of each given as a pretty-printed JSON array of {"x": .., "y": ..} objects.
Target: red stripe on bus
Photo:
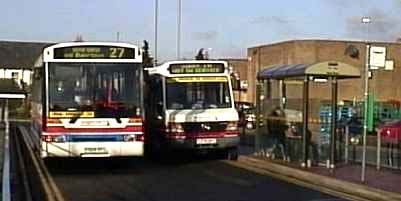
[{"x": 127, "y": 129}]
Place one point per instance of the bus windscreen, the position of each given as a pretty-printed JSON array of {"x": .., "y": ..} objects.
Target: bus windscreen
[
  {"x": 101, "y": 89},
  {"x": 197, "y": 95}
]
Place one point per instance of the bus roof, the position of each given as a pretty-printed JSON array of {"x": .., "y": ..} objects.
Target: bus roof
[
  {"x": 49, "y": 56},
  {"x": 164, "y": 69}
]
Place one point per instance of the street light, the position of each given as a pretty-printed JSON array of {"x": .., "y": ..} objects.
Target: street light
[
  {"x": 178, "y": 29},
  {"x": 156, "y": 25},
  {"x": 366, "y": 21}
]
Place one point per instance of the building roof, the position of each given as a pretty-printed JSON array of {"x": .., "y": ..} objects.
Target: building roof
[
  {"x": 17, "y": 55},
  {"x": 324, "y": 40},
  {"x": 320, "y": 70},
  {"x": 234, "y": 59}
]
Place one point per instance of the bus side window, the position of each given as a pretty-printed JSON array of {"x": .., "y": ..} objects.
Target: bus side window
[
  {"x": 37, "y": 85},
  {"x": 158, "y": 98}
]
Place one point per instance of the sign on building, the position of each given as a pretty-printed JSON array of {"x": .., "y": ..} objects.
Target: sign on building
[
  {"x": 244, "y": 84},
  {"x": 377, "y": 57},
  {"x": 389, "y": 65}
]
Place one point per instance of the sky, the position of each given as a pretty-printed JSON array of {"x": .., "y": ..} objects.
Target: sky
[{"x": 225, "y": 27}]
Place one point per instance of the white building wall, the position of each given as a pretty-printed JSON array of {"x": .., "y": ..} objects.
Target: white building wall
[
  {"x": 2, "y": 73},
  {"x": 27, "y": 75},
  {"x": 20, "y": 74},
  {"x": 14, "y": 73}
]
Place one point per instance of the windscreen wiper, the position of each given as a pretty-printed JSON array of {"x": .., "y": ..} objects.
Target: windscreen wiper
[{"x": 74, "y": 119}]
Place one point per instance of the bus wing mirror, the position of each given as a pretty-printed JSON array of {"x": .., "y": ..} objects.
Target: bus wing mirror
[{"x": 159, "y": 110}]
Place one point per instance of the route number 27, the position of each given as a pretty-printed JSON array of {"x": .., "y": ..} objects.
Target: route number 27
[{"x": 116, "y": 52}]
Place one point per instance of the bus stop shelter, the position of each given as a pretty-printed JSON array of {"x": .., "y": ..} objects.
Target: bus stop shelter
[{"x": 330, "y": 70}]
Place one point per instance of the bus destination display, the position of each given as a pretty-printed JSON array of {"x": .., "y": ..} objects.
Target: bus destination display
[
  {"x": 194, "y": 68},
  {"x": 94, "y": 52}
]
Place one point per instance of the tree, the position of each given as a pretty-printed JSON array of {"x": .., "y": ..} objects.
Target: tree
[
  {"x": 200, "y": 55},
  {"x": 147, "y": 59},
  {"x": 352, "y": 51}
]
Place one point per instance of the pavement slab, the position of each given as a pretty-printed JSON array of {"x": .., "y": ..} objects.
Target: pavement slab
[{"x": 344, "y": 180}]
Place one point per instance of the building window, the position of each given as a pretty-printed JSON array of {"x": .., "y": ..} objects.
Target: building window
[{"x": 14, "y": 75}]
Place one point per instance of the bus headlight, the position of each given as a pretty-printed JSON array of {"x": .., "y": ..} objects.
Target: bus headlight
[
  {"x": 355, "y": 140},
  {"x": 176, "y": 128},
  {"x": 54, "y": 138},
  {"x": 140, "y": 138},
  {"x": 134, "y": 138},
  {"x": 129, "y": 138},
  {"x": 138, "y": 111},
  {"x": 60, "y": 138},
  {"x": 232, "y": 126}
]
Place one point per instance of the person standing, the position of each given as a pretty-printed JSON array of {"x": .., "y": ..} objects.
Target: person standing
[{"x": 277, "y": 127}]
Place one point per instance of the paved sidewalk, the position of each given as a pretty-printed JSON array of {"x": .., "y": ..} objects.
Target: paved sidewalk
[
  {"x": 1, "y": 154},
  {"x": 380, "y": 185},
  {"x": 384, "y": 179}
]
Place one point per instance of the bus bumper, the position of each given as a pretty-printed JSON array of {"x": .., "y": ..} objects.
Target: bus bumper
[{"x": 92, "y": 149}]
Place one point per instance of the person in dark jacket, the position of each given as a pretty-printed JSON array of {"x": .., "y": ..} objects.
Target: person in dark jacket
[{"x": 277, "y": 127}]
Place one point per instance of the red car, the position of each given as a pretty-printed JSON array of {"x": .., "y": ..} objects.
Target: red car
[{"x": 390, "y": 132}]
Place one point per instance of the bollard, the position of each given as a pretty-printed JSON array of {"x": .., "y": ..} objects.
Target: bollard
[
  {"x": 346, "y": 144},
  {"x": 389, "y": 155},
  {"x": 257, "y": 135},
  {"x": 398, "y": 156},
  {"x": 378, "y": 156},
  {"x": 6, "y": 186}
]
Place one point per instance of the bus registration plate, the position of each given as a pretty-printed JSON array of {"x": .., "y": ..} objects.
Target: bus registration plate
[
  {"x": 94, "y": 123},
  {"x": 206, "y": 141},
  {"x": 95, "y": 150}
]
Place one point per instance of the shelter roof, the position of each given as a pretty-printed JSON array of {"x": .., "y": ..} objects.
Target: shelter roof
[{"x": 298, "y": 71}]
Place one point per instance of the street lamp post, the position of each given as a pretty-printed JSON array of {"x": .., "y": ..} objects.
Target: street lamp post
[
  {"x": 366, "y": 21},
  {"x": 178, "y": 29},
  {"x": 156, "y": 25}
]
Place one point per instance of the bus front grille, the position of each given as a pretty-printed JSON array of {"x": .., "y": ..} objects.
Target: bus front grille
[{"x": 195, "y": 127}]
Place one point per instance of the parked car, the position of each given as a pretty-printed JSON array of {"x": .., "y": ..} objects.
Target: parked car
[
  {"x": 355, "y": 125},
  {"x": 247, "y": 115},
  {"x": 390, "y": 132}
]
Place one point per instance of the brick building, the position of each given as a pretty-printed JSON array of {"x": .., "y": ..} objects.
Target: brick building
[
  {"x": 240, "y": 68},
  {"x": 385, "y": 83}
]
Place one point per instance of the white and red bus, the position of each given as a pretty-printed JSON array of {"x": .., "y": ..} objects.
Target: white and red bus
[
  {"x": 87, "y": 100},
  {"x": 191, "y": 107}
]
